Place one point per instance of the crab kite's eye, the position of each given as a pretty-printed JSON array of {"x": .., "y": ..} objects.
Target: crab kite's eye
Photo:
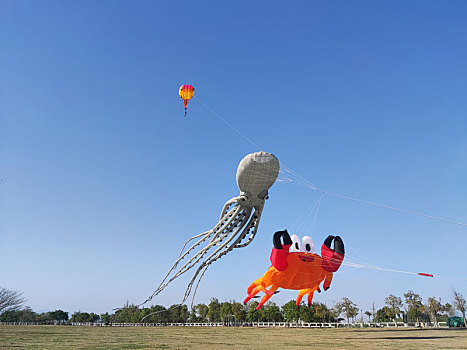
[
  {"x": 307, "y": 244},
  {"x": 295, "y": 243}
]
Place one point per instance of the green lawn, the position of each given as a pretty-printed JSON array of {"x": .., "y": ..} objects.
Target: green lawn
[{"x": 68, "y": 337}]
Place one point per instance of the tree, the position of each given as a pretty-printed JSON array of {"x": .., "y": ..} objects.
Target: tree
[
  {"x": 129, "y": 313},
  {"x": 105, "y": 317},
  {"x": 348, "y": 307},
  {"x": 414, "y": 305},
  {"x": 385, "y": 314},
  {"x": 201, "y": 312},
  {"x": 460, "y": 304},
  {"x": 254, "y": 315},
  {"x": 291, "y": 311},
  {"x": 214, "y": 310},
  {"x": 59, "y": 315},
  {"x": 272, "y": 312},
  {"x": 434, "y": 307},
  {"x": 10, "y": 300},
  {"x": 307, "y": 313},
  {"x": 183, "y": 314},
  {"x": 192, "y": 317},
  {"x": 25, "y": 315},
  {"x": 449, "y": 310},
  {"x": 158, "y": 314},
  {"x": 84, "y": 317},
  {"x": 226, "y": 310},
  {"x": 368, "y": 313},
  {"x": 178, "y": 313},
  {"x": 394, "y": 303},
  {"x": 238, "y": 311},
  {"x": 321, "y": 312}
]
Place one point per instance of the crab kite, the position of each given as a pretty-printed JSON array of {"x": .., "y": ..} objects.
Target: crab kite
[
  {"x": 238, "y": 222},
  {"x": 297, "y": 266}
]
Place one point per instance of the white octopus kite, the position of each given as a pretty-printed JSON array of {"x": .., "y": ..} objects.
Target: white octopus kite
[{"x": 240, "y": 217}]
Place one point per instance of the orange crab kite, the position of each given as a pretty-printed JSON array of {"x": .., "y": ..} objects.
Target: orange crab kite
[{"x": 300, "y": 269}]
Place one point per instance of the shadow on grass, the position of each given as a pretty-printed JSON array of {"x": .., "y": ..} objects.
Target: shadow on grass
[
  {"x": 403, "y": 338},
  {"x": 380, "y": 330}
]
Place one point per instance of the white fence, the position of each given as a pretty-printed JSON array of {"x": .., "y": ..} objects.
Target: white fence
[{"x": 249, "y": 324}]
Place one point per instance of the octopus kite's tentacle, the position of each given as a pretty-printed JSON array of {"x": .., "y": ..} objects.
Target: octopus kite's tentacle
[
  {"x": 197, "y": 257},
  {"x": 257, "y": 216},
  {"x": 222, "y": 225},
  {"x": 206, "y": 234},
  {"x": 234, "y": 200},
  {"x": 218, "y": 253}
]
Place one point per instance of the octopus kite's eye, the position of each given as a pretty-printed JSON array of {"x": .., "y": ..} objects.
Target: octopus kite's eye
[
  {"x": 295, "y": 243},
  {"x": 307, "y": 244}
]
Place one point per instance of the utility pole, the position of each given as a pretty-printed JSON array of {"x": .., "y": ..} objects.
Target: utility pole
[{"x": 373, "y": 312}]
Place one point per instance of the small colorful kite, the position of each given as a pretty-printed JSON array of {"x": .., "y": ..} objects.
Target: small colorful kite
[{"x": 186, "y": 92}]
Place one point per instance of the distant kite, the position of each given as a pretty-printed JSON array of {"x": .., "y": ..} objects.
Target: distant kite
[
  {"x": 186, "y": 92},
  {"x": 300, "y": 268}
]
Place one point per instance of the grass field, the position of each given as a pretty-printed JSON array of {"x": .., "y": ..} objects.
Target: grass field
[{"x": 68, "y": 337}]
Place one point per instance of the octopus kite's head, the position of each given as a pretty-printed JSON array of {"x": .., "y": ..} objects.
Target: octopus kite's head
[{"x": 256, "y": 173}]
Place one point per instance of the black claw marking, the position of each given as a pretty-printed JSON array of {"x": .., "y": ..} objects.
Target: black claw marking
[
  {"x": 328, "y": 241},
  {"x": 326, "y": 288},
  {"x": 339, "y": 245},
  {"x": 276, "y": 240}
]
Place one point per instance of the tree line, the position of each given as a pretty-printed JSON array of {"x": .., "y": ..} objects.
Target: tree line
[{"x": 410, "y": 309}]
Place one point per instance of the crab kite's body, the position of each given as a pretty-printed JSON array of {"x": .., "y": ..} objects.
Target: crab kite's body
[{"x": 301, "y": 270}]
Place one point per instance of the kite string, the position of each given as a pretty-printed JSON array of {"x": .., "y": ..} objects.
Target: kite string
[
  {"x": 395, "y": 208},
  {"x": 356, "y": 265},
  {"x": 305, "y": 183},
  {"x": 227, "y": 123}
]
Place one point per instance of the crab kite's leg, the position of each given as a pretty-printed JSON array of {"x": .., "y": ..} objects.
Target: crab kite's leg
[
  {"x": 310, "y": 295},
  {"x": 267, "y": 296},
  {"x": 252, "y": 293},
  {"x": 301, "y": 293},
  {"x": 327, "y": 281}
]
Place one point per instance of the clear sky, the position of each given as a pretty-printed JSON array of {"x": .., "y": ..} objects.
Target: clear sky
[{"x": 103, "y": 178}]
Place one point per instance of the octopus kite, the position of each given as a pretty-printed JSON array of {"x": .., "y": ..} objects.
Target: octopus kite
[
  {"x": 300, "y": 268},
  {"x": 238, "y": 222}
]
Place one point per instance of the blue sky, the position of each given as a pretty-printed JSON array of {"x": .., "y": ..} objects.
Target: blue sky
[{"x": 103, "y": 178}]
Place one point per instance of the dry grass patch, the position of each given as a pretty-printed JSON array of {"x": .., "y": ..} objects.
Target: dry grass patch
[{"x": 68, "y": 337}]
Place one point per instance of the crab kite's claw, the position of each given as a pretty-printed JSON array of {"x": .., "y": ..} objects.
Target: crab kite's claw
[
  {"x": 276, "y": 240},
  {"x": 332, "y": 258},
  {"x": 281, "y": 250}
]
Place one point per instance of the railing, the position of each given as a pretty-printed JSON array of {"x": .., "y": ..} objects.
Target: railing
[{"x": 246, "y": 324}]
